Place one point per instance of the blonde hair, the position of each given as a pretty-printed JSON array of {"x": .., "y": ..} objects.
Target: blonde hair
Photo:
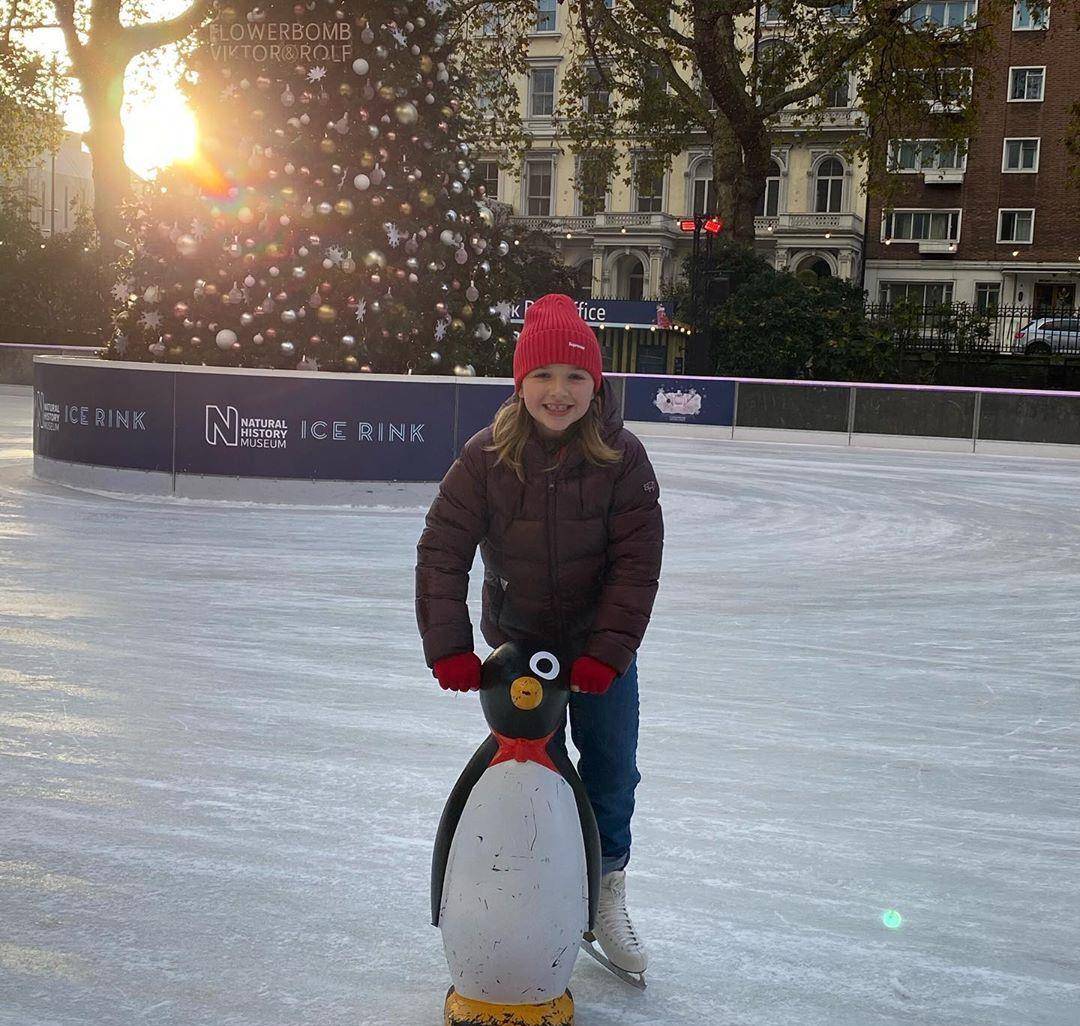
[{"x": 513, "y": 425}]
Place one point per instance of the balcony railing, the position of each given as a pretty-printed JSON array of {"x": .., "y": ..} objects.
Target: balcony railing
[
  {"x": 555, "y": 225},
  {"x": 664, "y": 222},
  {"x": 584, "y": 225},
  {"x": 821, "y": 119},
  {"x": 802, "y": 224}
]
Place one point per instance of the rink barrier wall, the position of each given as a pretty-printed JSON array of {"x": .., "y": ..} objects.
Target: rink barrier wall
[
  {"x": 17, "y": 359},
  {"x": 303, "y": 436}
]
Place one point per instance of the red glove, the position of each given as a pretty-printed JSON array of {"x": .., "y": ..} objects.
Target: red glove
[
  {"x": 591, "y": 676},
  {"x": 459, "y": 672}
]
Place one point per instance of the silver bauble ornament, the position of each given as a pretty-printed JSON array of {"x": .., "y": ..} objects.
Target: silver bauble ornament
[
  {"x": 225, "y": 339},
  {"x": 187, "y": 245},
  {"x": 406, "y": 113},
  {"x": 362, "y": 182},
  {"x": 288, "y": 348},
  {"x": 360, "y": 66}
]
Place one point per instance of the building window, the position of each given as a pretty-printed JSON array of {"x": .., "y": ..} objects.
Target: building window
[
  {"x": 541, "y": 92},
  {"x": 830, "y": 186},
  {"x": 592, "y": 186},
  {"x": 917, "y": 293},
  {"x": 1016, "y": 226},
  {"x": 598, "y": 98},
  {"x": 487, "y": 16},
  {"x": 914, "y": 155},
  {"x": 947, "y": 90},
  {"x": 649, "y": 183},
  {"x": 704, "y": 191},
  {"x": 838, "y": 93},
  {"x": 987, "y": 296},
  {"x": 538, "y": 188},
  {"x": 1020, "y": 156},
  {"x": 545, "y": 16},
  {"x": 487, "y": 171},
  {"x": 636, "y": 282},
  {"x": 941, "y": 14},
  {"x": 842, "y": 10},
  {"x": 772, "y": 14},
  {"x": 770, "y": 202},
  {"x": 1029, "y": 17},
  {"x": 1027, "y": 85},
  {"x": 922, "y": 226}
]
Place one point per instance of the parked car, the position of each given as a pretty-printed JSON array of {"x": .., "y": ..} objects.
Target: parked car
[{"x": 1059, "y": 334}]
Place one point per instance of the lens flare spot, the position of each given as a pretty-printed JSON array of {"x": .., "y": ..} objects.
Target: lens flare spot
[{"x": 892, "y": 919}]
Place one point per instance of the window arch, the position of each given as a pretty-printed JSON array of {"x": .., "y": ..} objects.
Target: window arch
[
  {"x": 829, "y": 186},
  {"x": 635, "y": 280},
  {"x": 702, "y": 188},
  {"x": 770, "y": 201}
]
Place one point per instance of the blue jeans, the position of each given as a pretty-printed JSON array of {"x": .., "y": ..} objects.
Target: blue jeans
[{"x": 605, "y": 732}]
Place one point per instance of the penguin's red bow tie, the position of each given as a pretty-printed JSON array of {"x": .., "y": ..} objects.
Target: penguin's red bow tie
[{"x": 523, "y": 749}]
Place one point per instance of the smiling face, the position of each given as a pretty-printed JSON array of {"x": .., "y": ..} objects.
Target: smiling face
[{"x": 556, "y": 396}]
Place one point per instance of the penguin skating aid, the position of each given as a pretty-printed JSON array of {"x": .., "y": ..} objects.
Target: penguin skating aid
[{"x": 516, "y": 870}]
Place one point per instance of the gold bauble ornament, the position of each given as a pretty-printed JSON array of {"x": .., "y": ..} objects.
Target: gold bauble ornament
[
  {"x": 344, "y": 207},
  {"x": 367, "y": 160},
  {"x": 426, "y": 65},
  {"x": 351, "y": 362},
  {"x": 374, "y": 260},
  {"x": 326, "y": 313},
  {"x": 426, "y": 197},
  {"x": 327, "y": 146}
]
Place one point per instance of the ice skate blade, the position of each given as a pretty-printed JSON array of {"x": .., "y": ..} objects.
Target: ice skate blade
[
  {"x": 463, "y": 1011},
  {"x": 636, "y": 980}
]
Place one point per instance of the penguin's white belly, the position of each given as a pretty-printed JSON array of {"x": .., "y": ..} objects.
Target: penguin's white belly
[{"x": 515, "y": 898}]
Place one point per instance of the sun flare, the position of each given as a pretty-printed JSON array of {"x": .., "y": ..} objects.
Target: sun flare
[{"x": 159, "y": 133}]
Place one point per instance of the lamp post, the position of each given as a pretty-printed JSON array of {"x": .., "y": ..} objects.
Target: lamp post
[{"x": 703, "y": 288}]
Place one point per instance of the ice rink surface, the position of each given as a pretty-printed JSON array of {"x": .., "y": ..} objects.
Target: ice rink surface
[{"x": 222, "y": 758}]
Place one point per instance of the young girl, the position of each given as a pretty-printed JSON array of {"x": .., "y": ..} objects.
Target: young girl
[{"x": 563, "y": 502}]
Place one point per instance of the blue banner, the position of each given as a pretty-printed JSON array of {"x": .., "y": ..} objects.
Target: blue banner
[
  {"x": 104, "y": 416},
  {"x": 614, "y": 313},
  {"x": 679, "y": 400},
  {"x": 267, "y": 425}
]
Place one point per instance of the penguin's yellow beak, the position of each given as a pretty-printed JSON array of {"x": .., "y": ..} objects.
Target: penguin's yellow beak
[{"x": 526, "y": 693}]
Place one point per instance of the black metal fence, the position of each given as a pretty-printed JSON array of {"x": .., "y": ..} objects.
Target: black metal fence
[{"x": 962, "y": 328}]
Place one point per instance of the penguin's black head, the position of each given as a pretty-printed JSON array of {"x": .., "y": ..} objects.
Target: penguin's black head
[{"x": 524, "y": 690}]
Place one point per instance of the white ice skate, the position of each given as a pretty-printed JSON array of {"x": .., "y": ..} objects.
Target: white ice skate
[{"x": 623, "y": 952}]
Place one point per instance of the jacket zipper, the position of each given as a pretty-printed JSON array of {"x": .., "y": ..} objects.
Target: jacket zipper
[{"x": 553, "y": 552}]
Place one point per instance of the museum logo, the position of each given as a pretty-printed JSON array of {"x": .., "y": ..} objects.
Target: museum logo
[{"x": 227, "y": 427}]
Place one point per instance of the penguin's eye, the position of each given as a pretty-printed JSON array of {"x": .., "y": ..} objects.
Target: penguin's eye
[{"x": 544, "y": 665}]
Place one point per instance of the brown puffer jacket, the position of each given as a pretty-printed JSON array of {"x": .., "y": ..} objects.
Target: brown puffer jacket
[{"x": 571, "y": 555}]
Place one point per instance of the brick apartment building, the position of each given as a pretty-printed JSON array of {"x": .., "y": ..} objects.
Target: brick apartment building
[{"x": 995, "y": 226}]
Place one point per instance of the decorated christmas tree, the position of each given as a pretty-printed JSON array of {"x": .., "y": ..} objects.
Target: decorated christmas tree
[{"x": 330, "y": 219}]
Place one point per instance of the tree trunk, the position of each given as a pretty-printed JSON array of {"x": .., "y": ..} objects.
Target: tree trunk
[{"x": 103, "y": 94}]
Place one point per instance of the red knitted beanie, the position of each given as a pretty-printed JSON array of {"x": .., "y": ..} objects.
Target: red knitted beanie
[{"x": 554, "y": 332}]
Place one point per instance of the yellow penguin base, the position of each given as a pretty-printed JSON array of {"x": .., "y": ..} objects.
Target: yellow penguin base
[{"x": 463, "y": 1011}]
